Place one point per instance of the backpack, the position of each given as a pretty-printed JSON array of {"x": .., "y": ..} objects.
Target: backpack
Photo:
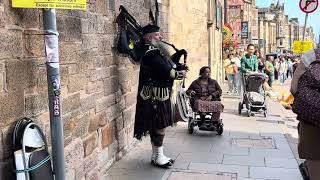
[{"x": 129, "y": 40}]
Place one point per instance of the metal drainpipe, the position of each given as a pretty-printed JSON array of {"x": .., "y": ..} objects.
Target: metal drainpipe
[
  {"x": 209, "y": 27},
  {"x": 53, "y": 77}
]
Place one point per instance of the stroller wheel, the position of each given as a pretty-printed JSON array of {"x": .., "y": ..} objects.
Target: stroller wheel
[
  {"x": 248, "y": 113},
  {"x": 265, "y": 113},
  {"x": 190, "y": 126},
  {"x": 240, "y": 108},
  {"x": 220, "y": 129}
]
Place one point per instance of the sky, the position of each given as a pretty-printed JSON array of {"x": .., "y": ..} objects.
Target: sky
[{"x": 292, "y": 9}]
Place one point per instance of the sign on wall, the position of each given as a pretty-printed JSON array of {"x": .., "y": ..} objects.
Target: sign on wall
[
  {"x": 302, "y": 46},
  {"x": 244, "y": 30},
  {"x": 218, "y": 15},
  {"x": 52, "y": 4}
]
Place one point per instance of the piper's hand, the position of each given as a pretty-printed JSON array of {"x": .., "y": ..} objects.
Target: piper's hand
[
  {"x": 181, "y": 67},
  {"x": 183, "y": 51},
  {"x": 182, "y": 74}
]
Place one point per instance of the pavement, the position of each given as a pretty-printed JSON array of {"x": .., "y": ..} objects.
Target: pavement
[{"x": 251, "y": 148}]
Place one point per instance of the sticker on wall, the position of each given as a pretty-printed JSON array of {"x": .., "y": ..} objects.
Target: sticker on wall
[{"x": 53, "y": 4}]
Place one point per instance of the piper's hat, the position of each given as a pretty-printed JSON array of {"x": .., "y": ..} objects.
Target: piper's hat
[{"x": 150, "y": 29}]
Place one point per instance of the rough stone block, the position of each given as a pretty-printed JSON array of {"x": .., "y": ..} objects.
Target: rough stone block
[
  {"x": 70, "y": 28},
  {"x": 12, "y": 107},
  {"x": 105, "y": 102},
  {"x": 110, "y": 85},
  {"x": 74, "y": 154},
  {"x": 89, "y": 101},
  {"x": 36, "y": 104},
  {"x": 34, "y": 44},
  {"x": 92, "y": 175},
  {"x": 16, "y": 74},
  {"x": 122, "y": 139},
  {"x": 71, "y": 174},
  {"x": 113, "y": 149},
  {"x": 131, "y": 99},
  {"x": 90, "y": 143},
  {"x": 80, "y": 173},
  {"x": 119, "y": 123},
  {"x": 93, "y": 87},
  {"x": 113, "y": 112},
  {"x": 100, "y": 74},
  {"x": 106, "y": 44},
  {"x": 2, "y": 81},
  {"x": 70, "y": 103},
  {"x": 95, "y": 121},
  {"x": 90, "y": 41},
  {"x": 103, "y": 157},
  {"x": 124, "y": 75},
  {"x": 91, "y": 161},
  {"x": 128, "y": 116},
  {"x": 107, "y": 135},
  {"x": 11, "y": 44},
  {"x": 69, "y": 122},
  {"x": 82, "y": 125},
  {"x": 76, "y": 83}
]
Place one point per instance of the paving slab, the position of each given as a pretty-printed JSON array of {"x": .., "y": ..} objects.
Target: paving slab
[
  {"x": 243, "y": 160},
  {"x": 241, "y": 171},
  {"x": 199, "y": 176},
  {"x": 275, "y": 173},
  {"x": 281, "y": 163}
]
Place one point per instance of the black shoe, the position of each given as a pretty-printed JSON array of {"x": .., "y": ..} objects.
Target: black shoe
[
  {"x": 163, "y": 166},
  {"x": 304, "y": 171}
]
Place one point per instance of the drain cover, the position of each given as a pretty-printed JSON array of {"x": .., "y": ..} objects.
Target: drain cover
[
  {"x": 199, "y": 176},
  {"x": 265, "y": 143}
]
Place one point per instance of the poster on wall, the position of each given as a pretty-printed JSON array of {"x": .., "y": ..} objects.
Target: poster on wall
[
  {"x": 218, "y": 15},
  {"x": 244, "y": 30}
]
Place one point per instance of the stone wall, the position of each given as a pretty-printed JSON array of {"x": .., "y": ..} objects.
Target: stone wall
[{"x": 98, "y": 87}]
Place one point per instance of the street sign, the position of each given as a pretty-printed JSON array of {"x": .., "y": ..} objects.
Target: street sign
[
  {"x": 308, "y": 6},
  {"x": 52, "y": 4},
  {"x": 302, "y": 46},
  {"x": 244, "y": 30}
]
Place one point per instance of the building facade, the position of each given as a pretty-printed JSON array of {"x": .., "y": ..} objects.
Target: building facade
[{"x": 277, "y": 32}]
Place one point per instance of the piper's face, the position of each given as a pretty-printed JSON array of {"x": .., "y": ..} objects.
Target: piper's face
[{"x": 156, "y": 36}]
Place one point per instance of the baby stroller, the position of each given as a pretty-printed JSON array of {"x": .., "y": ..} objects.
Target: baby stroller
[
  {"x": 254, "y": 97},
  {"x": 200, "y": 119}
]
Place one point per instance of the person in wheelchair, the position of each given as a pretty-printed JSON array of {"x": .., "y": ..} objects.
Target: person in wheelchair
[{"x": 205, "y": 96}]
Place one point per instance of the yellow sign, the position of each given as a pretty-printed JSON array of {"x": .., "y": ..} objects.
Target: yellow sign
[
  {"x": 302, "y": 46},
  {"x": 52, "y": 4}
]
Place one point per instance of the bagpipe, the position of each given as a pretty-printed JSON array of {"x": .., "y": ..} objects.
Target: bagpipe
[{"x": 130, "y": 39}]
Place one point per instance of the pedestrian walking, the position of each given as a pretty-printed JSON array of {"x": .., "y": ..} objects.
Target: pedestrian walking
[
  {"x": 276, "y": 68},
  {"x": 249, "y": 63},
  {"x": 260, "y": 61},
  {"x": 290, "y": 68},
  {"x": 305, "y": 90},
  {"x": 229, "y": 66},
  {"x": 283, "y": 67},
  {"x": 153, "y": 109},
  {"x": 237, "y": 75},
  {"x": 269, "y": 69}
]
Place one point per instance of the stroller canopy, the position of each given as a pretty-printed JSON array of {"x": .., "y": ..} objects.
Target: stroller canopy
[{"x": 254, "y": 82}]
